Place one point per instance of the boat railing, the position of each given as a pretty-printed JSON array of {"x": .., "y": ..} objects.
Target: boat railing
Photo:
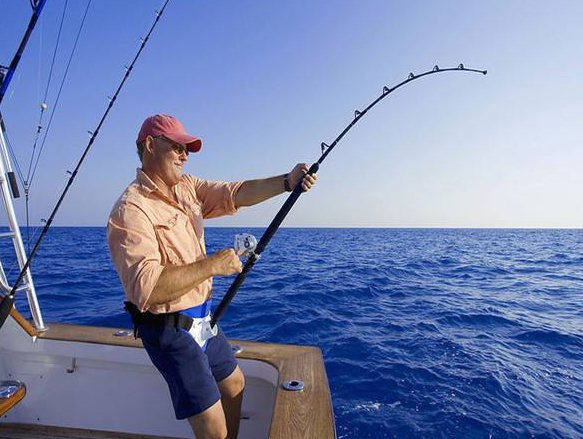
[{"x": 8, "y": 192}]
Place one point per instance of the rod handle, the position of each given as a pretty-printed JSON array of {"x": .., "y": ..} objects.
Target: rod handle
[{"x": 314, "y": 168}]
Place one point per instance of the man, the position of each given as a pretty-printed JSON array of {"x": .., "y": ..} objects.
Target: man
[{"x": 156, "y": 238}]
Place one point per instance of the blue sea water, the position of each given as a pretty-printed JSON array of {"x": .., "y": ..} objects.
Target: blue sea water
[{"x": 426, "y": 333}]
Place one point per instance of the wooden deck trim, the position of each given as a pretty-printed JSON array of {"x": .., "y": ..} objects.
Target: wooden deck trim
[
  {"x": 303, "y": 414},
  {"x": 24, "y": 324},
  {"x": 90, "y": 334}
]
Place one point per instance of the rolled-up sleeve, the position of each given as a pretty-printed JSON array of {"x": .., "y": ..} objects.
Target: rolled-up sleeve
[
  {"x": 217, "y": 197},
  {"x": 135, "y": 253}
]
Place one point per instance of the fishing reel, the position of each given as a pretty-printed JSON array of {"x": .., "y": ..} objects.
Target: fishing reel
[{"x": 245, "y": 244}]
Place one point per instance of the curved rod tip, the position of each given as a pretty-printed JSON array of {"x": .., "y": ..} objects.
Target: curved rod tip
[{"x": 484, "y": 72}]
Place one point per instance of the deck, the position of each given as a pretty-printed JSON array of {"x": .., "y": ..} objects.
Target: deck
[{"x": 304, "y": 414}]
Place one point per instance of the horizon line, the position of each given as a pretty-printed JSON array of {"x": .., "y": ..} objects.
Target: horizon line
[{"x": 343, "y": 227}]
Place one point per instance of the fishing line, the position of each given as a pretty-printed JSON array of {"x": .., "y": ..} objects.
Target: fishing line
[
  {"x": 39, "y": 60},
  {"x": 55, "y": 51},
  {"x": 293, "y": 197},
  {"x": 43, "y": 102},
  {"x": 8, "y": 301},
  {"x": 30, "y": 177},
  {"x": 11, "y": 151}
]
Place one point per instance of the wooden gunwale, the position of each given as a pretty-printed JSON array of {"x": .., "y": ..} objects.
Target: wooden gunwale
[
  {"x": 24, "y": 324},
  {"x": 302, "y": 414},
  {"x": 7, "y": 403}
]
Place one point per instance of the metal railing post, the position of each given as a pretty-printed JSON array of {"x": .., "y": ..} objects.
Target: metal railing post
[{"x": 16, "y": 237}]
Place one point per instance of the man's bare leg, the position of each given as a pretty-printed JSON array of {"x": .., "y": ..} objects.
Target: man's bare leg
[
  {"x": 210, "y": 424},
  {"x": 231, "y": 389}
]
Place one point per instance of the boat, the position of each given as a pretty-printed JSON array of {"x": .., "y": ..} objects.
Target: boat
[{"x": 75, "y": 381}]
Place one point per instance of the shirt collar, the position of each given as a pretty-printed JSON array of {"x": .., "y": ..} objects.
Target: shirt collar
[
  {"x": 145, "y": 182},
  {"x": 147, "y": 185}
]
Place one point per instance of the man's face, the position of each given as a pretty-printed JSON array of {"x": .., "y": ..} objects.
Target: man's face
[{"x": 169, "y": 158}]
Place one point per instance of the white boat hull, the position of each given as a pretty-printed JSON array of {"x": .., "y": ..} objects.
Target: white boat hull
[{"x": 98, "y": 386}]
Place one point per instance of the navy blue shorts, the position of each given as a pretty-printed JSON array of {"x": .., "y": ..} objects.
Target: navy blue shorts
[{"x": 192, "y": 375}]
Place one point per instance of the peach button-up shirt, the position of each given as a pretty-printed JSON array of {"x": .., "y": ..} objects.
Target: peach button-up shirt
[{"x": 147, "y": 231}]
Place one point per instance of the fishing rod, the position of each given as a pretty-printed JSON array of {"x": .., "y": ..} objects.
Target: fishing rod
[
  {"x": 5, "y": 78},
  {"x": 253, "y": 254},
  {"x": 8, "y": 301}
]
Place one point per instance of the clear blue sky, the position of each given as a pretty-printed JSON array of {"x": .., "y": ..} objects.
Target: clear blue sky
[{"x": 264, "y": 82}]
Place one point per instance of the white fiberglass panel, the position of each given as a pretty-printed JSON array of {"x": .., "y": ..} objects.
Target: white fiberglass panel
[{"x": 101, "y": 387}]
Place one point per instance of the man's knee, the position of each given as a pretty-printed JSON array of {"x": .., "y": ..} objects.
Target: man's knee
[
  {"x": 233, "y": 385},
  {"x": 238, "y": 380},
  {"x": 210, "y": 424},
  {"x": 219, "y": 433}
]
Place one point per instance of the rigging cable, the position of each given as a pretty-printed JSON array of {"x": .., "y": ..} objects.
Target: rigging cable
[
  {"x": 39, "y": 127},
  {"x": 30, "y": 177},
  {"x": 293, "y": 197},
  {"x": 39, "y": 60},
  {"x": 11, "y": 151},
  {"x": 43, "y": 103},
  {"x": 55, "y": 105},
  {"x": 8, "y": 301}
]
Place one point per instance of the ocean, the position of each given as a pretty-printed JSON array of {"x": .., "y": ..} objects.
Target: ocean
[{"x": 426, "y": 333}]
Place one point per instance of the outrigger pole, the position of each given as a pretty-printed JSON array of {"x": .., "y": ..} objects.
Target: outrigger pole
[
  {"x": 8, "y": 301},
  {"x": 5, "y": 78},
  {"x": 6, "y": 74},
  {"x": 293, "y": 197}
]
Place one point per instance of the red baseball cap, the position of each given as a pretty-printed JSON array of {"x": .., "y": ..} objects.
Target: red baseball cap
[{"x": 168, "y": 126}]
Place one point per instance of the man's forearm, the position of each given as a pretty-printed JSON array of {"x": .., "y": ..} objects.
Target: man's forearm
[
  {"x": 176, "y": 281},
  {"x": 255, "y": 191}
]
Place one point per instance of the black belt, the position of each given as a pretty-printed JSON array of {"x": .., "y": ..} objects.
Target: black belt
[{"x": 173, "y": 319}]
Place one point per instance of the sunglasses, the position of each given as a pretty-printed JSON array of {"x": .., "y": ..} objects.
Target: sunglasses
[{"x": 177, "y": 147}]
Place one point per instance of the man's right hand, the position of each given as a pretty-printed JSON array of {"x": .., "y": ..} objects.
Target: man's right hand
[{"x": 226, "y": 262}]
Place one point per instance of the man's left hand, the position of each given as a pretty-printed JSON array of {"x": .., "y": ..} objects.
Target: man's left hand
[{"x": 300, "y": 174}]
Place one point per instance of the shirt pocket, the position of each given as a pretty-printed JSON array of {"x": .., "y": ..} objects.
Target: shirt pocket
[
  {"x": 197, "y": 221},
  {"x": 194, "y": 211},
  {"x": 171, "y": 235}
]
